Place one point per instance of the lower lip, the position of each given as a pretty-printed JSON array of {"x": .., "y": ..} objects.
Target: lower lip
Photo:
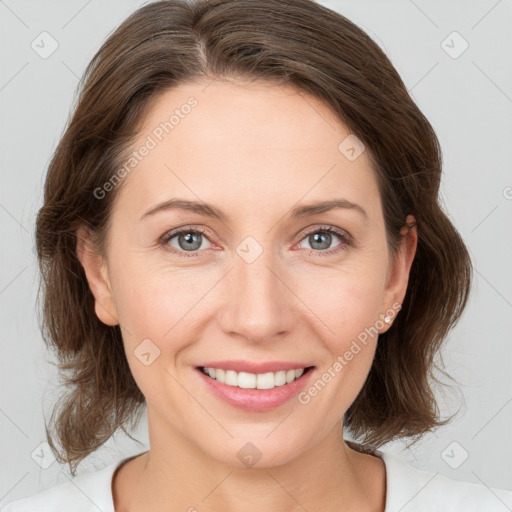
[{"x": 258, "y": 400}]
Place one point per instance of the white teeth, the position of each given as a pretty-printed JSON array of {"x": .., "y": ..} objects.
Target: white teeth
[
  {"x": 280, "y": 378},
  {"x": 246, "y": 380},
  {"x": 265, "y": 381},
  {"x": 231, "y": 378}
]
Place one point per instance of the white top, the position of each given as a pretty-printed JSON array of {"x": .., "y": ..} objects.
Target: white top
[{"x": 407, "y": 490}]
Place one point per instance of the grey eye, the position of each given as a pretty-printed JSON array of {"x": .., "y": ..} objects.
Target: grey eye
[
  {"x": 322, "y": 239},
  {"x": 188, "y": 240}
]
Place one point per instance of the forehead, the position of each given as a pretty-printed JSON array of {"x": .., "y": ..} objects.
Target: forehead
[{"x": 218, "y": 141}]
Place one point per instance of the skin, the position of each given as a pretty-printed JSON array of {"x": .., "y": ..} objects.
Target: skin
[{"x": 255, "y": 151}]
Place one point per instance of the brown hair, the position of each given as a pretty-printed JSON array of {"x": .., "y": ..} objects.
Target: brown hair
[{"x": 321, "y": 53}]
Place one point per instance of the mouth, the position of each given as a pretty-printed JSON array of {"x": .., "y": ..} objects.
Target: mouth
[
  {"x": 256, "y": 381},
  {"x": 255, "y": 386},
  {"x": 254, "y": 392}
]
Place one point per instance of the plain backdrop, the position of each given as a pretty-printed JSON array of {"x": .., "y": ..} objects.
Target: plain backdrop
[{"x": 455, "y": 60}]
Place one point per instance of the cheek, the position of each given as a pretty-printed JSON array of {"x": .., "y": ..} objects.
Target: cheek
[
  {"x": 154, "y": 308},
  {"x": 347, "y": 301},
  {"x": 350, "y": 310},
  {"x": 150, "y": 304},
  {"x": 349, "y": 307},
  {"x": 161, "y": 304}
]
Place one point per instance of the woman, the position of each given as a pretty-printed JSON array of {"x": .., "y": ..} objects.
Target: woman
[{"x": 241, "y": 232}]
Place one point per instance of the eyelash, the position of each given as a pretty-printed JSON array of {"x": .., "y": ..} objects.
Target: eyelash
[{"x": 345, "y": 238}]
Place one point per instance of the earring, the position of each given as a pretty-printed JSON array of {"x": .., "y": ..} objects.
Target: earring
[{"x": 387, "y": 320}]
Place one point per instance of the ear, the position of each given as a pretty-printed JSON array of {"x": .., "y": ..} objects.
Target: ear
[
  {"x": 95, "y": 268},
  {"x": 398, "y": 274}
]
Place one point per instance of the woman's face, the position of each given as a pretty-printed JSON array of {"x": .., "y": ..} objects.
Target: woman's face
[{"x": 252, "y": 283}]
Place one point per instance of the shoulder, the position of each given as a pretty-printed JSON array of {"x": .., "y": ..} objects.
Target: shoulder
[
  {"x": 86, "y": 492},
  {"x": 410, "y": 489}
]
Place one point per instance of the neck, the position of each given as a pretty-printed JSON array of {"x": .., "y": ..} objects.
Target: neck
[{"x": 329, "y": 476}]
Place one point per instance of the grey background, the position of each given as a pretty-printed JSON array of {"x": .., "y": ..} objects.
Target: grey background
[{"x": 468, "y": 100}]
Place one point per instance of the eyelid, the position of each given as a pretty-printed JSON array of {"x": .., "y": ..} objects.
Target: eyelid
[
  {"x": 325, "y": 227},
  {"x": 164, "y": 239}
]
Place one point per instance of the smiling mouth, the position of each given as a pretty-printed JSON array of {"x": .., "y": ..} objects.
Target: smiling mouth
[{"x": 245, "y": 380}]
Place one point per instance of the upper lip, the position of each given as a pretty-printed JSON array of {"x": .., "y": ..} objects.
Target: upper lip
[{"x": 255, "y": 367}]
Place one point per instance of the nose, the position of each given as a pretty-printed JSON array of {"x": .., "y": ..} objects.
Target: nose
[{"x": 258, "y": 300}]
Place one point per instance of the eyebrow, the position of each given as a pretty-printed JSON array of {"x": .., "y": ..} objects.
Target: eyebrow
[{"x": 210, "y": 211}]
